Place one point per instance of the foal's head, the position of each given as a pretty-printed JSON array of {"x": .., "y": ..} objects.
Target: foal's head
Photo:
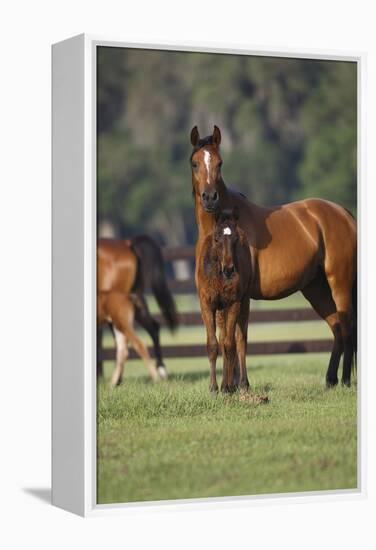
[
  {"x": 225, "y": 238},
  {"x": 206, "y": 165}
]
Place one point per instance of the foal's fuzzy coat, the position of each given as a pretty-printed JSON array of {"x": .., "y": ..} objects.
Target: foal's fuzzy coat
[{"x": 223, "y": 279}]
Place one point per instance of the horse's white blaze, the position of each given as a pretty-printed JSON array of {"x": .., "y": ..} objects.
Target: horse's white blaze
[
  {"x": 227, "y": 231},
  {"x": 207, "y": 164}
]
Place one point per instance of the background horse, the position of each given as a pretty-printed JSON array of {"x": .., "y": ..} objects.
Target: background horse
[
  {"x": 308, "y": 245},
  {"x": 223, "y": 280},
  {"x": 132, "y": 266},
  {"x": 118, "y": 309}
]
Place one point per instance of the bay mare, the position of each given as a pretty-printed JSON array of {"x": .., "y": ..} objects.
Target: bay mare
[
  {"x": 125, "y": 268},
  {"x": 308, "y": 246}
]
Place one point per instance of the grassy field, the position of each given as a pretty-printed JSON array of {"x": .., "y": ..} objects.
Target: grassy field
[{"x": 173, "y": 440}]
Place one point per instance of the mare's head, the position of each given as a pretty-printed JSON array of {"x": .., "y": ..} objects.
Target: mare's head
[
  {"x": 206, "y": 165},
  {"x": 225, "y": 238}
]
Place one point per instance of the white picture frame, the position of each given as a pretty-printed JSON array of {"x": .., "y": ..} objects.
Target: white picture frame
[{"x": 74, "y": 277}]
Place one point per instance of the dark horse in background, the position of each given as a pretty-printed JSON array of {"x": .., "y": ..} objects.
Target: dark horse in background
[
  {"x": 125, "y": 269},
  {"x": 308, "y": 245}
]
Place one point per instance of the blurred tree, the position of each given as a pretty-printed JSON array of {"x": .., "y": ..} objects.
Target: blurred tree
[
  {"x": 329, "y": 120},
  {"x": 288, "y": 127}
]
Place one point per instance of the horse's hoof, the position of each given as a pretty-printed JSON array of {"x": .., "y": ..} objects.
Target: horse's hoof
[
  {"x": 213, "y": 390},
  {"x": 331, "y": 383},
  {"x": 228, "y": 389},
  {"x": 346, "y": 383},
  {"x": 162, "y": 372}
]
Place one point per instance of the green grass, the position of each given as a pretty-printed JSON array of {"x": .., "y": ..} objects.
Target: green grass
[{"x": 173, "y": 440}]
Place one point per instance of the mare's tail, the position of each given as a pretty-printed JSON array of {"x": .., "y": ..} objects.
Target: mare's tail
[{"x": 151, "y": 274}]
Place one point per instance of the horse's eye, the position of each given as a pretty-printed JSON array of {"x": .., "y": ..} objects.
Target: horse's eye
[{"x": 194, "y": 164}]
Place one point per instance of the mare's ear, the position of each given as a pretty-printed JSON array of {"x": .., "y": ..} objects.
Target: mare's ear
[
  {"x": 195, "y": 136},
  {"x": 216, "y": 136},
  {"x": 235, "y": 213}
]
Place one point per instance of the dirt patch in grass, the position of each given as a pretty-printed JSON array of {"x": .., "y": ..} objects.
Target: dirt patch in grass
[{"x": 254, "y": 398}]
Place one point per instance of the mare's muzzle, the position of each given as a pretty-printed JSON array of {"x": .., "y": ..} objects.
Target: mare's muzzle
[{"x": 209, "y": 200}]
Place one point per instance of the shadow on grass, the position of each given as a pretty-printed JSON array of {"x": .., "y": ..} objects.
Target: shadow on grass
[
  {"x": 186, "y": 376},
  {"x": 190, "y": 376}
]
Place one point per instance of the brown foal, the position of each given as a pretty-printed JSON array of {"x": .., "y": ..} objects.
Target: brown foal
[{"x": 223, "y": 281}]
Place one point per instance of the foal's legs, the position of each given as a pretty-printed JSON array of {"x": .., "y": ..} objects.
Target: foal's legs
[
  {"x": 143, "y": 317},
  {"x": 229, "y": 347},
  {"x": 241, "y": 342},
  {"x": 142, "y": 351},
  {"x": 319, "y": 295},
  {"x": 122, "y": 314},
  {"x": 221, "y": 323},
  {"x": 121, "y": 356},
  {"x": 208, "y": 316}
]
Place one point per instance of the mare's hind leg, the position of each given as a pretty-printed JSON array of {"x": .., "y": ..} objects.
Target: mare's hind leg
[
  {"x": 143, "y": 317},
  {"x": 341, "y": 287},
  {"x": 319, "y": 295},
  {"x": 121, "y": 356}
]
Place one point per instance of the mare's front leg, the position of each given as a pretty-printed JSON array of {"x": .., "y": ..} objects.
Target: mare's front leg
[
  {"x": 229, "y": 349},
  {"x": 208, "y": 316}
]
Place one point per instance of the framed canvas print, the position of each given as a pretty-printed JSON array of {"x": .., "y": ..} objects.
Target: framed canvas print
[{"x": 207, "y": 237}]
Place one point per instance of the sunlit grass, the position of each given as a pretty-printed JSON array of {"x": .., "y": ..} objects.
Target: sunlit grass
[{"x": 174, "y": 440}]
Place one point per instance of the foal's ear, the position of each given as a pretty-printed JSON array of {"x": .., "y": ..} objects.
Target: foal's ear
[
  {"x": 195, "y": 136},
  {"x": 216, "y": 136}
]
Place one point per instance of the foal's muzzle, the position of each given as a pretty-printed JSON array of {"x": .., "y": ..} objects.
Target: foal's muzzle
[{"x": 228, "y": 272}]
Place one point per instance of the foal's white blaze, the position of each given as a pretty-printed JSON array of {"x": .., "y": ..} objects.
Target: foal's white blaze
[
  {"x": 227, "y": 231},
  {"x": 207, "y": 164}
]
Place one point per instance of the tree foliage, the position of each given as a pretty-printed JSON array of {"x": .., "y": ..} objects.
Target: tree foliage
[{"x": 288, "y": 129}]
